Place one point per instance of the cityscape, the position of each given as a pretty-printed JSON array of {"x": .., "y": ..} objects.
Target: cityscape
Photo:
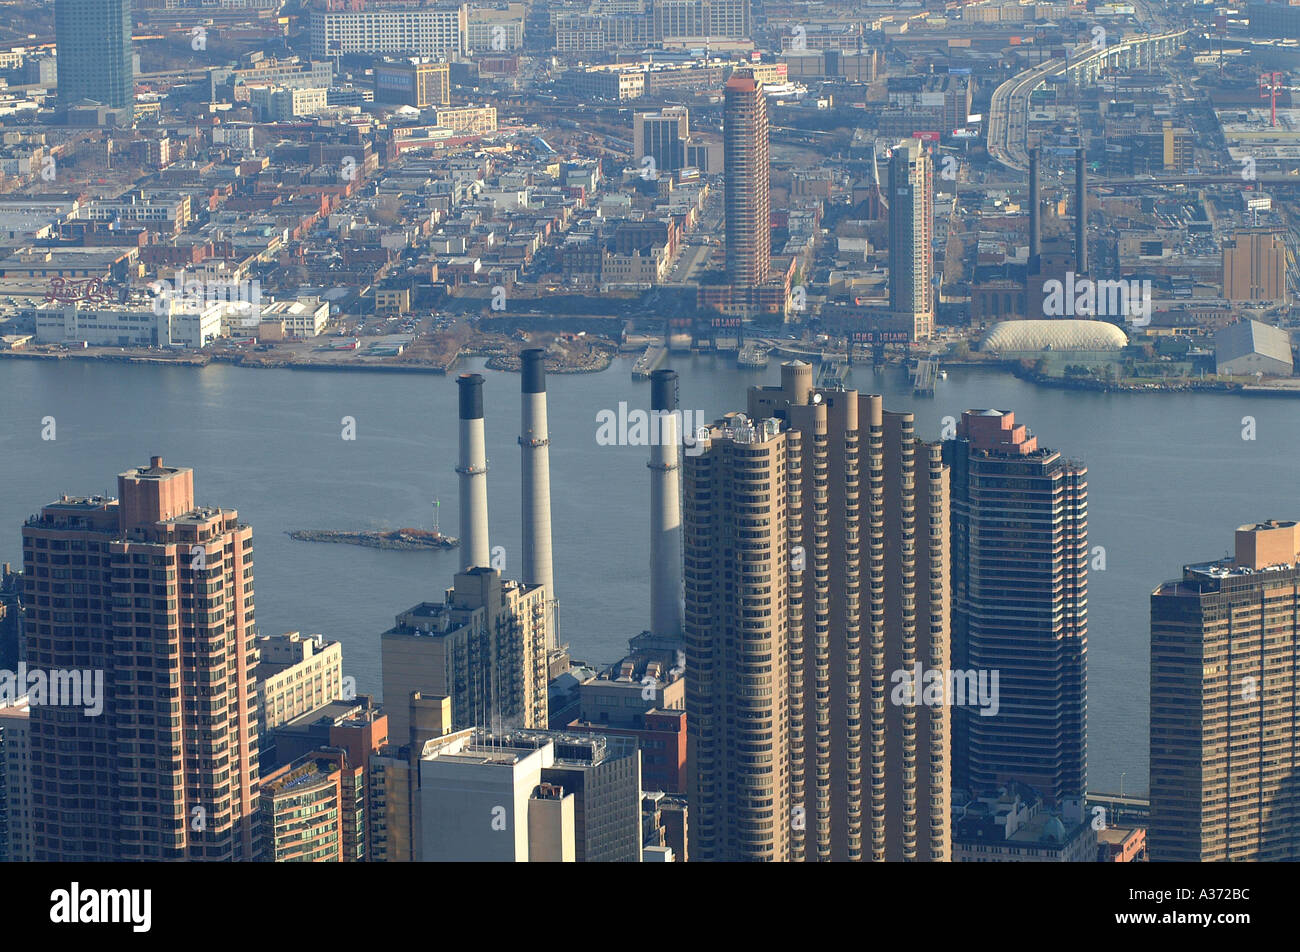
[{"x": 650, "y": 431}]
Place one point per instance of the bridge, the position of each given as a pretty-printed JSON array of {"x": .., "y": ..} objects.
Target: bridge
[
  {"x": 1009, "y": 107},
  {"x": 1210, "y": 178}
]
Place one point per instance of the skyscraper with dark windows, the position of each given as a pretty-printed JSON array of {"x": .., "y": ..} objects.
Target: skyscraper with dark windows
[
  {"x": 1020, "y": 606},
  {"x": 662, "y": 136},
  {"x": 95, "y": 58},
  {"x": 156, "y": 594}
]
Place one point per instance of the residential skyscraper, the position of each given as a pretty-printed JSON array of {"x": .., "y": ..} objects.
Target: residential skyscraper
[
  {"x": 483, "y": 646},
  {"x": 95, "y": 58},
  {"x": 15, "y": 781},
  {"x": 911, "y": 233},
  {"x": 748, "y": 182},
  {"x": 802, "y": 599},
  {"x": 1224, "y": 678},
  {"x": 157, "y": 594},
  {"x": 1020, "y": 606}
]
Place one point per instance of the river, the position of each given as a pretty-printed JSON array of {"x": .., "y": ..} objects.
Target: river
[{"x": 1170, "y": 477}]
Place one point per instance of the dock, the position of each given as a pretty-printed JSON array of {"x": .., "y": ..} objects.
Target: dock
[
  {"x": 924, "y": 376},
  {"x": 833, "y": 373},
  {"x": 649, "y": 361},
  {"x": 753, "y": 357}
]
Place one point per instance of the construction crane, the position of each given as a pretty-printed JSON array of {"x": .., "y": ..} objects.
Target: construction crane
[{"x": 1270, "y": 85}]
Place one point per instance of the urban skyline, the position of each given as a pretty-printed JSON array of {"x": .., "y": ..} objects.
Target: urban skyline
[{"x": 276, "y": 264}]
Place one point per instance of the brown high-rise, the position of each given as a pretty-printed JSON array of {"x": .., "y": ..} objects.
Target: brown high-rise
[
  {"x": 748, "y": 180},
  {"x": 158, "y": 596},
  {"x": 1225, "y": 675},
  {"x": 816, "y": 555}
]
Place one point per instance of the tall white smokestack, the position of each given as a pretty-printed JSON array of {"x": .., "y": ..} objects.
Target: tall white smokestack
[
  {"x": 474, "y": 550},
  {"x": 665, "y": 509},
  {"x": 535, "y": 441}
]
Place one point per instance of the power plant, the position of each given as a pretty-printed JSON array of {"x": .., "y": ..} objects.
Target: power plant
[
  {"x": 665, "y": 509},
  {"x": 474, "y": 548},
  {"x": 535, "y": 442}
]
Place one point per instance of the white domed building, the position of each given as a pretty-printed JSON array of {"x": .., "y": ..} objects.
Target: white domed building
[{"x": 1076, "y": 338}]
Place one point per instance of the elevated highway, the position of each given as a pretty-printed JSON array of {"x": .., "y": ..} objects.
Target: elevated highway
[{"x": 1009, "y": 108}]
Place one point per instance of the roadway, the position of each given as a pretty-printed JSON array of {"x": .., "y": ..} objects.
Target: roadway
[{"x": 1008, "y": 129}]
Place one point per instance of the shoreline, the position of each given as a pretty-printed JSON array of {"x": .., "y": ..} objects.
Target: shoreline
[
  {"x": 506, "y": 364},
  {"x": 204, "y": 360}
]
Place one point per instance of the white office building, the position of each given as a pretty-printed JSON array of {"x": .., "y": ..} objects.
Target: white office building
[{"x": 411, "y": 32}]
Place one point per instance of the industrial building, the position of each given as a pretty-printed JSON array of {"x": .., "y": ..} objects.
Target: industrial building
[{"x": 1251, "y": 347}]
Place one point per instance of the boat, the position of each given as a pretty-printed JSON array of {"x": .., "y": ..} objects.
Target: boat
[{"x": 405, "y": 540}]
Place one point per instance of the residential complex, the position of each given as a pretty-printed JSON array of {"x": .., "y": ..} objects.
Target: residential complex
[
  {"x": 802, "y": 599},
  {"x": 155, "y": 594},
  {"x": 1223, "y": 685}
]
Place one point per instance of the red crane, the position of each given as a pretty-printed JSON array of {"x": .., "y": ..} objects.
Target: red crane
[{"x": 1270, "y": 84}]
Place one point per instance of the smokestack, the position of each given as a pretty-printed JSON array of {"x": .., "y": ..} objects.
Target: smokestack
[
  {"x": 1035, "y": 209},
  {"x": 473, "y": 475},
  {"x": 535, "y": 442},
  {"x": 665, "y": 509},
  {"x": 1081, "y": 212}
]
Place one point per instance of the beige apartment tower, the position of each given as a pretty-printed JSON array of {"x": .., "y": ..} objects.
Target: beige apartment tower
[
  {"x": 816, "y": 565},
  {"x": 911, "y": 233},
  {"x": 1225, "y": 674},
  {"x": 484, "y": 647}
]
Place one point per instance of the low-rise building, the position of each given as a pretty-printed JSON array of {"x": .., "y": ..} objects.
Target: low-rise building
[
  {"x": 160, "y": 323},
  {"x": 302, "y": 319},
  {"x": 474, "y": 120},
  {"x": 277, "y": 103},
  {"x": 1249, "y": 347},
  {"x": 1013, "y": 825},
  {"x": 412, "y": 82},
  {"x": 296, "y": 674}
]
